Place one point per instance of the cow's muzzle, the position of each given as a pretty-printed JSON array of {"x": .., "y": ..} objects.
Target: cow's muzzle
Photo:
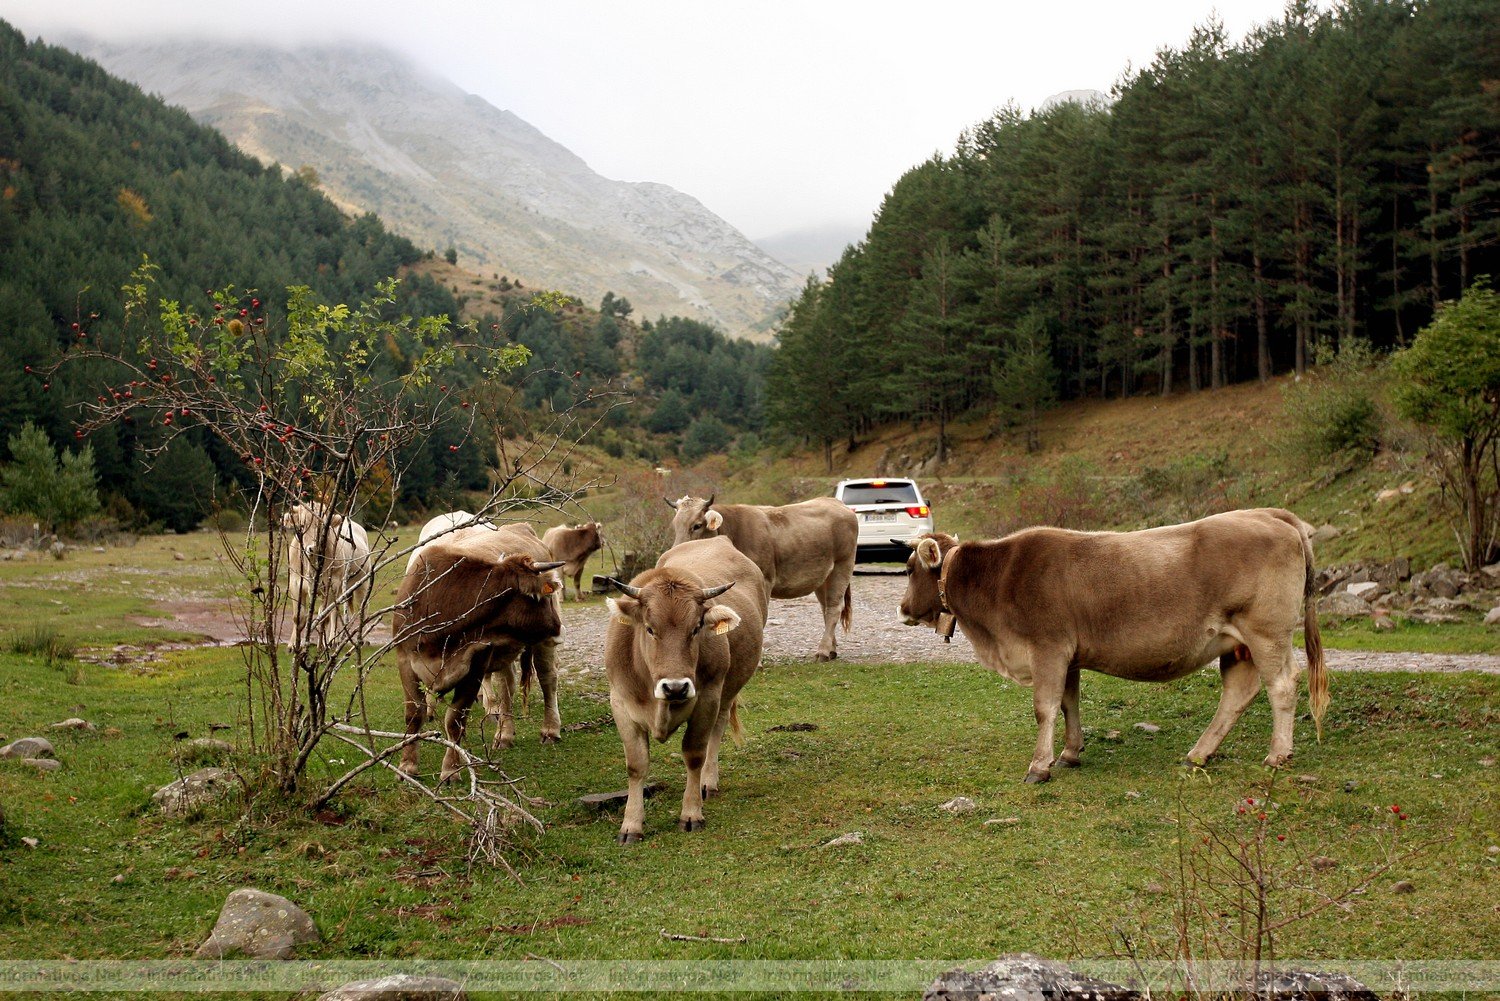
[{"x": 675, "y": 689}]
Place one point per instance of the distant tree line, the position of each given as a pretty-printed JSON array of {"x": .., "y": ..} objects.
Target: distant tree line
[{"x": 1234, "y": 210}]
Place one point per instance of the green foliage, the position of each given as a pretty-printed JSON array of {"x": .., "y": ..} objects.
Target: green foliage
[
  {"x": 177, "y": 487},
  {"x": 451, "y": 255},
  {"x": 56, "y": 491},
  {"x": 1235, "y": 208},
  {"x": 1336, "y": 413},
  {"x": 707, "y": 435},
  {"x": 671, "y": 414},
  {"x": 1448, "y": 382}
]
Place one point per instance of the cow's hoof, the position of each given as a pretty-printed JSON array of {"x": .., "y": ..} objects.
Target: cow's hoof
[
  {"x": 1192, "y": 762},
  {"x": 628, "y": 837},
  {"x": 408, "y": 769},
  {"x": 1034, "y": 777},
  {"x": 1067, "y": 762},
  {"x": 551, "y": 738},
  {"x": 690, "y": 825},
  {"x": 503, "y": 743},
  {"x": 1276, "y": 760},
  {"x": 709, "y": 792},
  {"x": 823, "y": 658},
  {"x": 447, "y": 775}
]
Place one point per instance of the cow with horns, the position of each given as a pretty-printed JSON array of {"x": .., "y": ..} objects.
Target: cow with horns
[
  {"x": 683, "y": 639},
  {"x": 471, "y": 604},
  {"x": 1043, "y": 604},
  {"x": 800, "y": 549}
]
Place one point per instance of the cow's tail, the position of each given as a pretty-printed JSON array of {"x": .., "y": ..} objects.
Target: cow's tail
[
  {"x": 528, "y": 668},
  {"x": 1317, "y": 673},
  {"x": 846, "y": 617},
  {"x": 736, "y": 730}
]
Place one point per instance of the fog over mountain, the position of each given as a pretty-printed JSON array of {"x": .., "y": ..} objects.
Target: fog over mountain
[{"x": 446, "y": 168}]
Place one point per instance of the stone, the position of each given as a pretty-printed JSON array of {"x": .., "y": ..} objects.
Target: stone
[
  {"x": 30, "y": 842},
  {"x": 1132, "y": 794},
  {"x": 399, "y": 987},
  {"x": 1343, "y": 605},
  {"x": 1148, "y": 728},
  {"x": 1401, "y": 567},
  {"x": 1002, "y": 822},
  {"x": 1492, "y": 617},
  {"x": 42, "y": 764},
  {"x": 1324, "y": 533},
  {"x": 1387, "y": 495},
  {"x": 1403, "y": 886},
  {"x": 1323, "y": 863},
  {"x": 1309, "y": 985},
  {"x": 179, "y": 557},
  {"x": 28, "y": 747},
  {"x": 959, "y": 805},
  {"x": 1367, "y": 590},
  {"x": 1351, "y": 785},
  {"x": 74, "y": 723},
  {"x": 606, "y": 800},
  {"x": 258, "y": 925},
  {"x": 1308, "y": 780},
  {"x": 1024, "y": 977},
  {"x": 852, "y": 838},
  {"x": 189, "y": 793},
  {"x": 1383, "y": 622}
]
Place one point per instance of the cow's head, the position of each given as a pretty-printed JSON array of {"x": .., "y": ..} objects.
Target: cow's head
[
  {"x": 670, "y": 617},
  {"x": 695, "y": 519},
  {"x": 310, "y": 520},
  {"x": 921, "y": 604},
  {"x": 454, "y": 604}
]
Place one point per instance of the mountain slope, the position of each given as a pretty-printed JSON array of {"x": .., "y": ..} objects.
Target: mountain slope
[{"x": 446, "y": 168}]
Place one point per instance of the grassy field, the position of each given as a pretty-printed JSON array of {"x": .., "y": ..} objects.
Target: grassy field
[{"x": 1094, "y": 849}]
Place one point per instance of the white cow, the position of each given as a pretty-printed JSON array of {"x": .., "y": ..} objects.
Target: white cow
[{"x": 325, "y": 589}]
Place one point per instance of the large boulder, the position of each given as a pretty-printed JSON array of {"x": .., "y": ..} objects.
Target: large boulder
[
  {"x": 180, "y": 798},
  {"x": 258, "y": 925},
  {"x": 1343, "y": 605},
  {"x": 28, "y": 747},
  {"x": 399, "y": 987},
  {"x": 1024, "y": 977}
]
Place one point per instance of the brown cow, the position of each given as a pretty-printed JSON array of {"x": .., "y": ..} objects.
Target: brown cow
[
  {"x": 681, "y": 643},
  {"x": 801, "y": 549},
  {"x": 573, "y": 544},
  {"x": 1042, "y": 604},
  {"x": 471, "y": 604}
]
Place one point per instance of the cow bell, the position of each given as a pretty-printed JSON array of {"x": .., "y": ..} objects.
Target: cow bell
[{"x": 946, "y": 623}]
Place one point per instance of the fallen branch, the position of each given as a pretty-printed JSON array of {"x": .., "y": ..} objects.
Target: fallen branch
[{"x": 701, "y": 938}]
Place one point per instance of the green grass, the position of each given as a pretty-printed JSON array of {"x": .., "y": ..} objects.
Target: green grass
[
  {"x": 386, "y": 879},
  {"x": 1408, "y": 636}
]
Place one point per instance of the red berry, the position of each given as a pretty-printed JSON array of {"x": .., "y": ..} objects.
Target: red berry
[
  {"x": 28, "y": 368},
  {"x": 1395, "y": 808},
  {"x": 183, "y": 412},
  {"x": 444, "y": 388},
  {"x": 465, "y": 406},
  {"x": 75, "y": 326},
  {"x": 244, "y": 312},
  {"x": 257, "y": 460},
  {"x": 46, "y": 386},
  {"x": 453, "y": 448},
  {"x": 151, "y": 364},
  {"x": 1281, "y": 837},
  {"x": 167, "y": 419},
  {"x": 77, "y": 434},
  {"x": 1402, "y": 816},
  {"x": 264, "y": 408},
  {"x": 1260, "y": 816},
  {"x": 255, "y": 303},
  {"x": 217, "y": 307}
]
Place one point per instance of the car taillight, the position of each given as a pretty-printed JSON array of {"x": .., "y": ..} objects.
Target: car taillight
[{"x": 920, "y": 511}]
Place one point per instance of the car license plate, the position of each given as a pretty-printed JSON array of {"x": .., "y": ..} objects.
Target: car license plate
[{"x": 879, "y": 516}]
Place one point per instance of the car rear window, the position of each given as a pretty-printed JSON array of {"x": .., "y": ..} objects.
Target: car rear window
[{"x": 880, "y": 492}]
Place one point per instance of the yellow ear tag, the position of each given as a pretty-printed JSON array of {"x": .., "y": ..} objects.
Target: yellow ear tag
[
  {"x": 622, "y": 620},
  {"x": 720, "y": 628},
  {"x": 548, "y": 588}
]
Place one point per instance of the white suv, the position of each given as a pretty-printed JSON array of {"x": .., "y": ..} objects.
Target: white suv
[{"x": 888, "y": 509}]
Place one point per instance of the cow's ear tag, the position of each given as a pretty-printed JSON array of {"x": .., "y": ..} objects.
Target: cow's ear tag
[
  {"x": 720, "y": 628},
  {"x": 549, "y": 587}
]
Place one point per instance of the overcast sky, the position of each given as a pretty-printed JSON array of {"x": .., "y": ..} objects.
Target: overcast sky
[{"x": 778, "y": 115}]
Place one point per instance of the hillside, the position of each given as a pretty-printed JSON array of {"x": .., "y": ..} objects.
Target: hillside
[
  {"x": 445, "y": 168},
  {"x": 1124, "y": 464}
]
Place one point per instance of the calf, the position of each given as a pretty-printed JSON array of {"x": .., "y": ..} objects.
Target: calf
[
  {"x": 681, "y": 643},
  {"x": 1043, "y": 604},
  {"x": 573, "y": 544}
]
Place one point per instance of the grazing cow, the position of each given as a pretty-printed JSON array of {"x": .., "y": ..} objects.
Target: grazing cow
[
  {"x": 1042, "y": 604},
  {"x": 573, "y": 544},
  {"x": 681, "y": 643},
  {"x": 444, "y": 525},
  {"x": 805, "y": 548},
  {"x": 472, "y": 603},
  {"x": 328, "y": 570}
]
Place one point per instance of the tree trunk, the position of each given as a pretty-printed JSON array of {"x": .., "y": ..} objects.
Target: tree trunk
[{"x": 1262, "y": 331}]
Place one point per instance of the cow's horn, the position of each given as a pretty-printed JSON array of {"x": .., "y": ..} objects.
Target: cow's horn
[
  {"x": 714, "y": 592},
  {"x": 626, "y": 589},
  {"x": 544, "y": 567},
  {"x": 710, "y": 502},
  {"x": 904, "y": 542},
  {"x": 670, "y": 503}
]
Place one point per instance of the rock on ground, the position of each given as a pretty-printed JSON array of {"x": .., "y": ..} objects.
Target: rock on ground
[
  {"x": 1024, "y": 977},
  {"x": 28, "y": 747},
  {"x": 74, "y": 723},
  {"x": 959, "y": 805},
  {"x": 399, "y": 987},
  {"x": 42, "y": 764},
  {"x": 258, "y": 925},
  {"x": 188, "y": 793}
]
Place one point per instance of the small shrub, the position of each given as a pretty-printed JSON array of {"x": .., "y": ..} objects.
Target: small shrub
[
  {"x": 1336, "y": 414},
  {"x": 17, "y": 530},
  {"x": 231, "y": 521},
  {"x": 1071, "y": 497}
]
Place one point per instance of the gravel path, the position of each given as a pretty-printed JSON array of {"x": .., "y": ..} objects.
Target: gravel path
[{"x": 795, "y": 626}]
